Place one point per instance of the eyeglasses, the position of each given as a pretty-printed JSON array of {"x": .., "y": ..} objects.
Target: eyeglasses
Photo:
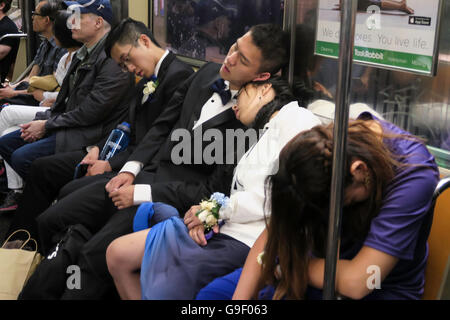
[
  {"x": 124, "y": 62},
  {"x": 34, "y": 13}
]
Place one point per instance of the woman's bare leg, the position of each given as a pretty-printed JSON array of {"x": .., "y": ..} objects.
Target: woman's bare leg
[{"x": 124, "y": 257}]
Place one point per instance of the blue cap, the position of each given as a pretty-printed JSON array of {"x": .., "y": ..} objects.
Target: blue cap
[
  {"x": 101, "y": 8},
  {"x": 124, "y": 126}
]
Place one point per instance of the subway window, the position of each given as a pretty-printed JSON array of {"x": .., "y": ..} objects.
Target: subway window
[
  {"x": 417, "y": 103},
  {"x": 205, "y": 29},
  {"x": 15, "y": 14}
]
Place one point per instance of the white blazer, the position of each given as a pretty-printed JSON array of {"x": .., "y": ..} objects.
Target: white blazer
[{"x": 244, "y": 216}]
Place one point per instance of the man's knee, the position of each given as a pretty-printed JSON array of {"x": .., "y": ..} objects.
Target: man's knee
[
  {"x": 20, "y": 162},
  {"x": 39, "y": 169}
]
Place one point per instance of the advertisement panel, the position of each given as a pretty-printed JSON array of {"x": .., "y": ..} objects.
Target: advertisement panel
[{"x": 398, "y": 34}]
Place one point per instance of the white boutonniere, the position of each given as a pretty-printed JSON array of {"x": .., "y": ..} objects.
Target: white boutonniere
[{"x": 149, "y": 89}]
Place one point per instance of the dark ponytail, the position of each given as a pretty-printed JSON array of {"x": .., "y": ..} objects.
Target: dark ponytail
[{"x": 298, "y": 201}]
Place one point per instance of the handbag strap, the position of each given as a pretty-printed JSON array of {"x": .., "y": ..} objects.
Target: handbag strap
[
  {"x": 15, "y": 232},
  {"x": 25, "y": 242},
  {"x": 35, "y": 243}
]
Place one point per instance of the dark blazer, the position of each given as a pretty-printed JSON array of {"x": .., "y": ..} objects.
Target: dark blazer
[
  {"x": 186, "y": 184},
  {"x": 97, "y": 102},
  {"x": 141, "y": 116}
]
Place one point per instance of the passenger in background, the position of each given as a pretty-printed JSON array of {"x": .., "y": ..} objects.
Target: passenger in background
[
  {"x": 94, "y": 97},
  {"x": 312, "y": 94},
  {"x": 14, "y": 115},
  {"x": 180, "y": 22},
  {"x": 47, "y": 57},
  {"x": 306, "y": 64},
  {"x": 156, "y": 171},
  {"x": 389, "y": 182},
  {"x": 8, "y": 47},
  {"x": 213, "y": 27},
  {"x": 186, "y": 264},
  {"x": 134, "y": 49}
]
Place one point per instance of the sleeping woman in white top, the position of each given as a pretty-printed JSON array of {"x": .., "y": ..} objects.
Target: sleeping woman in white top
[{"x": 193, "y": 261}]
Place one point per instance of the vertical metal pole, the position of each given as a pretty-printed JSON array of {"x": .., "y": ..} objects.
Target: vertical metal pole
[
  {"x": 292, "y": 18},
  {"x": 26, "y": 7},
  {"x": 124, "y": 9},
  {"x": 348, "y": 19}
]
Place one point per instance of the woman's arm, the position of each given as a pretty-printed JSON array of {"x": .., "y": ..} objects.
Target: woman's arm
[
  {"x": 250, "y": 280},
  {"x": 358, "y": 277}
]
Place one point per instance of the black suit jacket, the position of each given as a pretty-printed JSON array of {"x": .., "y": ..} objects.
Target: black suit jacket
[
  {"x": 142, "y": 116},
  {"x": 183, "y": 185},
  {"x": 97, "y": 102}
]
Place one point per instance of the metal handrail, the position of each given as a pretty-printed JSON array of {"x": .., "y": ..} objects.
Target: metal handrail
[
  {"x": 443, "y": 185},
  {"x": 14, "y": 35},
  {"x": 347, "y": 36}
]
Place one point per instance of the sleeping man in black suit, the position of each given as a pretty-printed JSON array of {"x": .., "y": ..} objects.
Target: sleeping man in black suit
[
  {"x": 106, "y": 205},
  {"x": 49, "y": 174}
]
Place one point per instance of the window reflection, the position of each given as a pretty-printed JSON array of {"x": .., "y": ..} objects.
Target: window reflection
[
  {"x": 15, "y": 14},
  {"x": 205, "y": 29},
  {"x": 419, "y": 104}
]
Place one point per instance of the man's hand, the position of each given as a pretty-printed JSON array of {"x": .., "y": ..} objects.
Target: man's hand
[
  {"x": 47, "y": 103},
  {"x": 123, "y": 179},
  {"x": 33, "y": 130},
  {"x": 38, "y": 94},
  {"x": 123, "y": 198},
  {"x": 7, "y": 93},
  {"x": 97, "y": 167},
  {"x": 190, "y": 218},
  {"x": 92, "y": 155}
]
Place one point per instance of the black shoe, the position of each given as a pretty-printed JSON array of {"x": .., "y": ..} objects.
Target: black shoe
[{"x": 10, "y": 202}]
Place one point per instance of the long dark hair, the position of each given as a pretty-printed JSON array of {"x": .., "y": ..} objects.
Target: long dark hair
[{"x": 299, "y": 201}]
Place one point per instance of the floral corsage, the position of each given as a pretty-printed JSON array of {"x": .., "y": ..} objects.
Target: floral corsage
[
  {"x": 150, "y": 88},
  {"x": 209, "y": 212}
]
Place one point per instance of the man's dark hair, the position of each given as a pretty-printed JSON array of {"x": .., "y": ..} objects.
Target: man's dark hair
[
  {"x": 274, "y": 44},
  {"x": 127, "y": 32},
  {"x": 7, "y": 5},
  {"x": 62, "y": 32},
  {"x": 50, "y": 9}
]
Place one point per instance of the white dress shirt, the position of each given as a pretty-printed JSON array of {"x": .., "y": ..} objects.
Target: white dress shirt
[{"x": 212, "y": 107}]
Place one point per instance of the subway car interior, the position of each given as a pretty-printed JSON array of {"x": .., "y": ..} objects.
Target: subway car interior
[{"x": 393, "y": 60}]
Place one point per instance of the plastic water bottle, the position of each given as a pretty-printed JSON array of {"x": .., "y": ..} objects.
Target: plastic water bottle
[{"x": 118, "y": 141}]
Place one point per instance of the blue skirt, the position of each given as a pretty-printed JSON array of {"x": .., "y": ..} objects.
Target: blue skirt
[{"x": 174, "y": 267}]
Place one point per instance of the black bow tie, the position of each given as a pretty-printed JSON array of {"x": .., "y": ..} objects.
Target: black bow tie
[{"x": 220, "y": 87}]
